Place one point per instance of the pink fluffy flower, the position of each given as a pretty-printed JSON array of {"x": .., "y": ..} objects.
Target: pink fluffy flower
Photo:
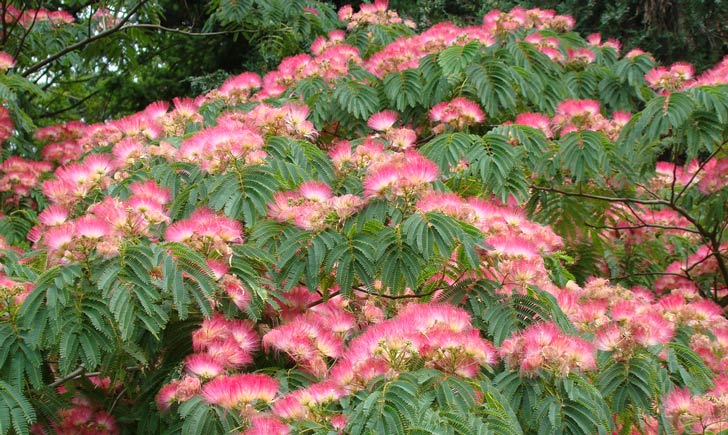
[
  {"x": 237, "y": 391},
  {"x": 206, "y": 232},
  {"x": 6, "y": 61},
  {"x": 535, "y": 120},
  {"x": 670, "y": 79},
  {"x": 203, "y": 365},
  {"x": 266, "y": 425},
  {"x": 458, "y": 113},
  {"x": 542, "y": 346},
  {"x": 382, "y": 121}
]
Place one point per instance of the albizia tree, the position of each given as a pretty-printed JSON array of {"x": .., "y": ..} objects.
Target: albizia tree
[{"x": 502, "y": 229}]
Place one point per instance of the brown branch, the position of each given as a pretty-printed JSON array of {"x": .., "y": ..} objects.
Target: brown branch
[
  {"x": 80, "y": 44},
  {"x": 80, "y": 372},
  {"x": 185, "y": 32},
  {"x": 16, "y": 20},
  {"x": 371, "y": 293},
  {"x": 642, "y": 225},
  {"x": 73, "y": 375},
  {"x": 394, "y": 297},
  {"x": 116, "y": 399},
  {"x": 601, "y": 198}
]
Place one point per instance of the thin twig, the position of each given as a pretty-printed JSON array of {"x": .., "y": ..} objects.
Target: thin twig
[
  {"x": 642, "y": 225},
  {"x": 116, "y": 400},
  {"x": 19, "y": 48},
  {"x": 73, "y": 375},
  {"x": 185, "y": 32},
  {"x": 72, "y": 106},
  {"x": 601, "y": 198}
]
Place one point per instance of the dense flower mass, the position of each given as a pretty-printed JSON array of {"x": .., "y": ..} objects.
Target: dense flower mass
[
  {"x": 543, "y": 346},
  {"x": 469, "y": 224}
]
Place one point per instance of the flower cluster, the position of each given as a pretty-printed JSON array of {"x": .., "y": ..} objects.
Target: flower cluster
[
  {"x": 595, "y": 40},
  {"x": 218, "y": 148},
  {"x": 516, "y": 243},
  {"x": 312, "y": 338},
  {"x": 288, "y": 120},
  {"x": 543, "y": 346},
  {"x": 6, "y": 61},
  {"x": 6, "y": 125},
  {"x": 405, "y": 53},
  {"x": 649, "y": 224},
  {"x": 397, "y": 138},
  {"x": 75, "y": 181},
  {"x": 29, "y": 17},
  {"x": 548, "y": 45},
  {"x": 371, "y": 14},
  {"x": 184, "y": 114},
  {"x": 84, "y": 419},
  {"x": 313, "y": 206},
  {"x": 667, "y": 80},
  {"x": 62, "y": 142},
  {"x": 438, "y": 335},
  {"x": 406, "y": 174},
  {"x": 12, "y": 293},
  {"x": 105, "y": 225},
  {"x": 321, "y": 43},
  {"x": 20, "y": 176},
  {"x": 206, "y": 232},
  {"x": 625, "y": 320},
  {"x": 457, "y": 114},
  {"x": 221, "y": 347},
  {"x": 501, "y": 23},
  {"x": 575, "y": 115},
  {"x": 241, "y": 391},
  {"x": 307, "y": 403},
  {"x": 682, "y": 274},
  {"x": 237, "y": 89},
  {"x": 714, "y": 176},
  {"x": 266, "y": 425},
  {"x": 330, "y": 64},
  {"x": 703, "y": 413},
  {"x": 718, "y": 75}
]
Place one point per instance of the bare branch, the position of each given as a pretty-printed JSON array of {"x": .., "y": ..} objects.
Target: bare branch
[
  {"x": 600, "y": 197},
  {"x": 73, "y": 375},
  {"x": 72, "y": 106},
  {"x": 642, "y": 225},
  {"x": 16, "y": 20}
]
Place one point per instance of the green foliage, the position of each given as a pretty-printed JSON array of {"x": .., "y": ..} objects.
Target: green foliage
[
  {"x": 16, "y": 412},
  {"x": 423, "y": 402}
]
